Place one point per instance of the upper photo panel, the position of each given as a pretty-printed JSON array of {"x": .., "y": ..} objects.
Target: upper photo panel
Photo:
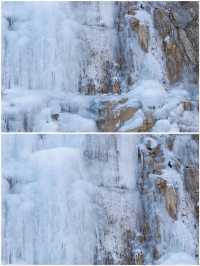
[{"x": 100, "y": 66}]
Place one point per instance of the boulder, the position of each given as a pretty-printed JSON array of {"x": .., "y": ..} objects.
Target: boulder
[{"x": 112, "y": 117}]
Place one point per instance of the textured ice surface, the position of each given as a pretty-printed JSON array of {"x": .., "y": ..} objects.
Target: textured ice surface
[{"x": 77, "y": 200}]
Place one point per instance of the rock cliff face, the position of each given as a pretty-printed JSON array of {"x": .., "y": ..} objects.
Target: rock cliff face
[
  {"x": 177, "y": 24},
  {"x": 162, "y": 184},
  {"x": 100, "y": 199},
  {"x": 93, "y": 66}
]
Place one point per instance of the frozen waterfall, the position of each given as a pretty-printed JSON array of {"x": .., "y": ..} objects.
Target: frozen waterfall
[
  {"x": 98, "y": 199},
  {"x": 92, "y": 66}
]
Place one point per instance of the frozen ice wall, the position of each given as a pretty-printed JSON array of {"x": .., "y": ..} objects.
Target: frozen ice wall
[
  {"x": 58, "y": 48},
  {"x": 99, "y": 199},
  {"x": 52, "y": 203},
  {"x": 51, "y": 43}
]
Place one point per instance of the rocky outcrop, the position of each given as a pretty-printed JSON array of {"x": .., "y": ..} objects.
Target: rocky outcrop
[
  {"x": 113, "y": 115},
  {"x": 143, "y": 34},
  {"x": 162, "y": 22},
  {"x": 177, "y": 24},
  {"x": 191, "y": 181},
  {"x": 171, "y": 200},
  {"x": 170, "y": 196},
  {"x": 160, "y": 183},
  {"x": 142, "y": 31},
  {"x": 174, "y": 61}
]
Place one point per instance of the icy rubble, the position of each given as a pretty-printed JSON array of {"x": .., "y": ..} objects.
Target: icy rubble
[
  {"x": 99, "y": 199},
  {"x": 62, "y": 60}
]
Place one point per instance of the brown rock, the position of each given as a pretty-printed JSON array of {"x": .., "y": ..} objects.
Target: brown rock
[
  {"x": 171, "y": 201},
  {"x": 192, "y": 32},
  {"x": 148, "y": 122},
  {"x": 191, "y": 178},
  {"x": 162, "y": 22},
  {"x": 174, "y": 62},
  {"x": 142, "y": 31},
  {"x": 170, "y": 194},
  {"x": 113, "y": 117},
  {"x": 187, "y": 46},
  {"x": 126, "y": 114},
  {"x": 181, "y": 26},
  {"x": 143, "y": 34}
]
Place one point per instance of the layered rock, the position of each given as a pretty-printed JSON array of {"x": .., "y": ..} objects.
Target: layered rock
[{"x": 177, "y": 24}]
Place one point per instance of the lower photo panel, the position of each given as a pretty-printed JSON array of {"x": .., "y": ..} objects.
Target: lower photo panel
[{"x": 100, "y": 199}]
